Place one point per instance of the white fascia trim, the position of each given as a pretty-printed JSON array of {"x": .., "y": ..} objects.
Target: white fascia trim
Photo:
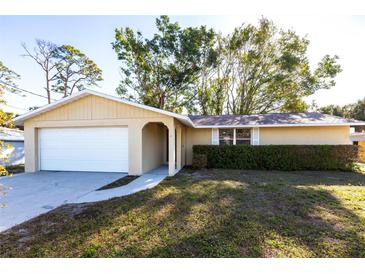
[
  {"x": 283, "y": 125},
  {"x": 181, "y": 118}
]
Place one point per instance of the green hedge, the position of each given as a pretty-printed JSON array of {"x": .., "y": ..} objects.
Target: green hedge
[{"x": 276, "y": 157}]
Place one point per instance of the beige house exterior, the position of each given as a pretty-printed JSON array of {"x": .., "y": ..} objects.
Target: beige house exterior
[
  {"x": 359, "y": 139},
  {"x": 157, "y": 137}
]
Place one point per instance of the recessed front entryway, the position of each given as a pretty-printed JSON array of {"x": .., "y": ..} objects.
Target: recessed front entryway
[
  {"x": 84, "y": 149},
  {"x": 155, "y": 146}
]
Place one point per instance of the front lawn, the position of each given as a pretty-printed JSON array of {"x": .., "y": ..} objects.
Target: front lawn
[{"x": 212, "y": 213}]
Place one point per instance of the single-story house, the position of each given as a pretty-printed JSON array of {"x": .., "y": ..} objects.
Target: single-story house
[
  {"x": 92, "y": 131},
  {"x": 13, "y": 155}
]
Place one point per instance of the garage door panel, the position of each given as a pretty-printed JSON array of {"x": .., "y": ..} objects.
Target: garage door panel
[
  {"x": 84, "y": 166},
  {"x": 86, "y": 156},
  {"x": 85, "y": 145},
  {"x": 84, "y": 149}
]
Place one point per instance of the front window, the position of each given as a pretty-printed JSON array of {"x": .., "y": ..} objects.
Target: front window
[
  {"x": 243, "y": 136},
  {"x": 234, "y": 136},
  {"x": 226, "y": 136}
]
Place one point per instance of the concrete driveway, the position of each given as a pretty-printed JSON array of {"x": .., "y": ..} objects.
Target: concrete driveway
[{"x": 31, "y": 194}]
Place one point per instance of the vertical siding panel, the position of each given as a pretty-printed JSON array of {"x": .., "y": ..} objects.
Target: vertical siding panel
[
  {"x": 65, "y": 112},
  {"x": 115, "y": 106},
  {"x": 88, "y": 109},
  {"x": 95, "y": 108},
  {"x": 122, "y": 112},
  {"x": 131, "y": 112},
  {"x": 92, "y": 107},
  {"x": 72, "y": 110}
]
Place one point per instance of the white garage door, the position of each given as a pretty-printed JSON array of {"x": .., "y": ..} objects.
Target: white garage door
[{"x": 84, "y": 149}]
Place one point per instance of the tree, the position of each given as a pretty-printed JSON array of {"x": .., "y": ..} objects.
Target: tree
[
  {"x": 65, "y": 67},
  {"x": 44, "y": 55},
  {"x": 255, "y": 69},
  {"x": 212, "y": 93},
  {"x": 354, "y": 111},
  {"x": 75, "y": 70},
  {"x": 166, "y": 70},
  {"x": 271, "y": 72},
  {"x": 332, "y": 110},
  {"x": 358, "y": 110},
  {"x": 7, "y": 81}
]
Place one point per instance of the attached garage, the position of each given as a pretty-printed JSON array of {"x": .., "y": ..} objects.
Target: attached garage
[
  {"x": 91, "y": 131},
  {"x": 103, "y": 149}
]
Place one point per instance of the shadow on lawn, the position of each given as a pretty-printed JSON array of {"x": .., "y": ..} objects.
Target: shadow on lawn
[
  {"x": 267, "y": 218},
  {"x": 214, "y": 213}
]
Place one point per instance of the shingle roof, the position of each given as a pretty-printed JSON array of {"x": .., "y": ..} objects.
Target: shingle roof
[{"x": 276, "y": 119}]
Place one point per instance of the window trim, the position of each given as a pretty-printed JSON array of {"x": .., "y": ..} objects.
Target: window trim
[{"x": 255, "y": 136}]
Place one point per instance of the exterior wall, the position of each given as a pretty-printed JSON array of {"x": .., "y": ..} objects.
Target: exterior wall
[
  {"x": 152, "y": 146},
  {"x": 327, "y": 135},
  {"x": 196, "y": 136},
  {"x": 362, "y": 151},
  {"x": 94, "y": 111}
]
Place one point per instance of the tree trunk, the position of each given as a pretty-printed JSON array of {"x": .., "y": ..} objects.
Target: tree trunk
[
  {"x": 48, "y": 89},
  {"x": 65, "y": 88}
]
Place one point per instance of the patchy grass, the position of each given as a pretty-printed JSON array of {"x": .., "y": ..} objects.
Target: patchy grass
[
  {"x": 120, "y": 182},
  {"x": 211, "y": 213}
]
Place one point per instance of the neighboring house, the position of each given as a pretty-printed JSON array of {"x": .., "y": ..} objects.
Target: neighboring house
[
  {"x": 358, "y": 138},
  {"x": 91, "y": 131},
  {"x": 14, "y": 154}
]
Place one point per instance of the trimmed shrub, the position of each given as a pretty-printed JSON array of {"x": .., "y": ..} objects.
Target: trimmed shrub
[
  {"x": 276, "y": 157},
  {"x": 200, "y": 161}
]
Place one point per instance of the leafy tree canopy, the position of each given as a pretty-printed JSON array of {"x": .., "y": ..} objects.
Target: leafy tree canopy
[
  {"x": 163, "y": 71},
  {"x": 255, "y": 69},
  {"x": 7, "y": 79},
  {"x": 354, "y": 111},
  {"x": 65, "y": 67},
  {"x": 75, "y": 70}
]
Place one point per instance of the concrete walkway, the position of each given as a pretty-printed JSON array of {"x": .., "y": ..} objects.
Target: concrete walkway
[{"x": 146, "y": 181}]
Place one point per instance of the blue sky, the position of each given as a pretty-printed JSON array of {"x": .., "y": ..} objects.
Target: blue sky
[{"x": 341, "y": 35}]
